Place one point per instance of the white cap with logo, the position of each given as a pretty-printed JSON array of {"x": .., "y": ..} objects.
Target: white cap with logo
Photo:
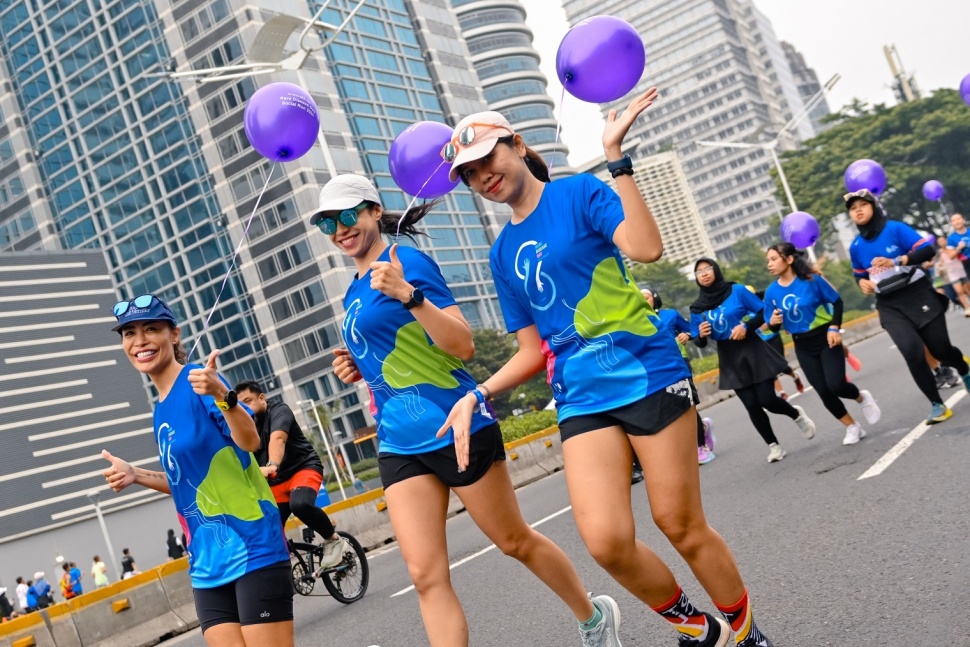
[{"x": 345, "y": 192}]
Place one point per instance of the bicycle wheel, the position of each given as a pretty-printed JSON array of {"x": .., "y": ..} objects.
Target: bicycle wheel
[
  {"x": 303, "y": 581},
  {"x": 347, "y": 581}
]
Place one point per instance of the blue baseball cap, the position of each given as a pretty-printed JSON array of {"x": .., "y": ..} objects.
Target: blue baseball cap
[{"x": 146, "y": 307}]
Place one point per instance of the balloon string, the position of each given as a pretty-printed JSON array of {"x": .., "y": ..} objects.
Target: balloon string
[
  {"x": 397, "y": 234},
  {"x": 205, "y": 325},
  {"x": 555, "y": 148}
]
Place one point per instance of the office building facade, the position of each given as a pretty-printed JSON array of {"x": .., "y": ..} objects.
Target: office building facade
[
  {"x": 808, "y": 86},
  {"x": 99, "y": 149},
  {"x": 500, "y": 44},
  {"x": 716, "y": 84}
]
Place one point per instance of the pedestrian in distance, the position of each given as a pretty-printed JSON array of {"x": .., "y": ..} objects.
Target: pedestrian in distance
[
  {"x": 621, "y": 386},
  {"x": 292, "y": 468},
  {"x": 675, "y": 325},
  {"x": 407, "y": 338},
  {"x": 886, "y": 257},
  {"x": 21, "y": 589},
  {"x": 173, "y": 546},
  {"x": 128, "y": 566},
  {"x": 810, "y": 309},
  {"x": 99, "y": 573},
  {"x": 725, "y": 311},
  {"x": 240, "y": 565}
]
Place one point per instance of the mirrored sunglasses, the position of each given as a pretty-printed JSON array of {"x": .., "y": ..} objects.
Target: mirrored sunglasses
[
  {"x": 466, "y": 137},
  {"x": 142, "y": 301},
  {"x": 347, "y": 217}
]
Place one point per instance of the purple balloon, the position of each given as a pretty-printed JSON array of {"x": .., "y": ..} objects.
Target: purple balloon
[
  {"x": 600, "y": 59},
  {"x": 965, "y": 89},
  {"x": 416, "y": 163},
  {"x": 281, "y": 121},
  {"x": 933, "y": 190},
  {"x": 800, "y": 229},
  {"x": 865, "y": 174}
]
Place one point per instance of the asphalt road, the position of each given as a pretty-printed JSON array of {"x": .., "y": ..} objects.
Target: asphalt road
[{"x": 829, "y": 559}]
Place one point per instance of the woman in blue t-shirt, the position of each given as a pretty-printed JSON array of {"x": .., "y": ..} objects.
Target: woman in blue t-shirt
[
  {"x": 238, "y": 559},
  {"x": 725, "y": 311},
  {"x": 809, "y": 308},
  {"x": 619, "y": 382},
  {"x": 886, "y": 257},
  {"x": 406, "y": 337}
]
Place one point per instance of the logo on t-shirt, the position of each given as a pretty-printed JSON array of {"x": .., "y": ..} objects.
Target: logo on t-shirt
[{"x": 539, "y": 286}]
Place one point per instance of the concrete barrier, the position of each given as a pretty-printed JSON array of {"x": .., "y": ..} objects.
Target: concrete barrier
[
  {"x": 26, "y": 631},
  {"x": 131, "y": 613},
  {"x": 175, "y": 580},
  {"x": 60, "y": 621}
]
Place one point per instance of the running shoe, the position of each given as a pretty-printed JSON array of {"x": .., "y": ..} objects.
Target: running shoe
[
  {"x": 853, "y": 434},
  {"x": 637, "y": 477},
  {"x": 605, "y": 633},
  {"x": 333, "y": 554},
  {"x": 940, "y": 378},
  {"x": 952, "y": 377},
  {"x": 805, "y": 423},
  {"x": 718, "y": 634},
  {"x": 704, "y": 455},
  {"x": 775, "y": 453},
  {"x": 709, "y": 439},
  {"x": 939, "y": 413},
  {"x": 798, "y": 381},
  {"x": 853, "y": 362},
  {"x": 760, "y": 641},
  {"x": 869, "y": 407}
]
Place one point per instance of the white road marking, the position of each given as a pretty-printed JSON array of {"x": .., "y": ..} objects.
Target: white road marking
[
  {"x": 795, "y": 395},
  {"x": 490, "y": 547},
  {"x": 887, "y": 459}
]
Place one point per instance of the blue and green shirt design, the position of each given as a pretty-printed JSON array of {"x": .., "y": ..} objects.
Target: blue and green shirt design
[
  {"x": 804, "y": 304},
  {"x": 559, "y": 270}
]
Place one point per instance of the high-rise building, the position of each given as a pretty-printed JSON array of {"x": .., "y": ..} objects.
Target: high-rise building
[
  {"x": 710, "y": 59},
  {"x": 663, "y": 183},
  {"x": 501, "y": 50},
  {"x": 808, "y": 87},
  {"x": 100, "y": 149}
]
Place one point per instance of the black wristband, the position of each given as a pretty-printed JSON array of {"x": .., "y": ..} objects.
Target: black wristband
[
  {"x": 623, "y": 163},
  {"x": 621, "y": 171}
]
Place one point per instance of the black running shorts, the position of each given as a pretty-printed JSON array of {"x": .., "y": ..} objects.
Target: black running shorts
[
  {"x": 261, "y": 596},
  {"x": 484, "y": 449}
]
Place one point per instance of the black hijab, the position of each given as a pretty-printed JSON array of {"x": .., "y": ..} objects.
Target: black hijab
[
  {"x": 879, "y": 219},
  {"x": 713, "y": 295}
]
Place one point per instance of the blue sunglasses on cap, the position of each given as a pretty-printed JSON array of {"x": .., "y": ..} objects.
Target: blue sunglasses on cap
[{"x": 142, "y": 301}]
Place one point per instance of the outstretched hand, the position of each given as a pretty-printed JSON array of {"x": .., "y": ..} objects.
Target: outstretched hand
[{"x": 618, "y": 125}]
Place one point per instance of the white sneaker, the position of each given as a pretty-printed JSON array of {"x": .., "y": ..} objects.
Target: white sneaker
[
  {"x": 805, "y": 423},
  {"x": 869, "y": 408},
  {"x": 333, "y": 553},
  {"x": 853, "y": 434},
  {"x": 775, "y": 453}
]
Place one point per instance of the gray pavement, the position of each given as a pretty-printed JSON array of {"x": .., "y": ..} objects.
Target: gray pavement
[{"x": 828, "y": 559}]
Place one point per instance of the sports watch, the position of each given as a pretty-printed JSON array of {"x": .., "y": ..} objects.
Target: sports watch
[
  {"x": 230, "y": 401},
  {"x": 417, "y": 298},
  {"x": 622, "y": 166}
]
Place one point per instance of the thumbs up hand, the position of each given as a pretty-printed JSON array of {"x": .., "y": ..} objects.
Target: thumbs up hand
[
  {"x": 388, "y": 278},
  {"x": 120, "y": 475},
  {"x": 205, "y": 381}
]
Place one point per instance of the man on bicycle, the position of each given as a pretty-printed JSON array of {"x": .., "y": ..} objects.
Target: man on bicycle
[{"x": 292, "y": 468}]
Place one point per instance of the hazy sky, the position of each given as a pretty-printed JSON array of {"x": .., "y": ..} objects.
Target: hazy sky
[{"x": 844, "y": 36}]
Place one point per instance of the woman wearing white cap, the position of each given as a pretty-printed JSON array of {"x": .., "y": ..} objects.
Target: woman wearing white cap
[
  {"x": 618, "y": 381},
  {"x": 239, "y": 563},
  {"x": 406, "y": 337}
]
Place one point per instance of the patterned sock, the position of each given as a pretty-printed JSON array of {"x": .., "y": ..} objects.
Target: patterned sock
[
  {"x": 742, "y": 624},
  {"x": 594, "y": 620},
  {"x": 679, "y": 612}
]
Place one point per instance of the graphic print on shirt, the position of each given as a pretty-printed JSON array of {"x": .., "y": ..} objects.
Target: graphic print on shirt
[
  {"x": 715, "y": 317},
  {"x": 356, "y": 343},
  {"x": 539, "y": 286}
]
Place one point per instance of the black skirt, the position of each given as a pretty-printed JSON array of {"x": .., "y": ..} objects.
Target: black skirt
[
  {"x": 747, "y": 362},
  {"x": 914, "y": 306}
]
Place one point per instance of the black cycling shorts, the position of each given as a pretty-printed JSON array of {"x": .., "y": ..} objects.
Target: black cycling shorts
[
  {"x": 261, "y": 596},
  {"x": 644, "y": 417},
  {"x": 484, "y": 448}
]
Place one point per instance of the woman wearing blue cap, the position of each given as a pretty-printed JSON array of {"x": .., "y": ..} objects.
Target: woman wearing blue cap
[{"x": 238, "y": 562}]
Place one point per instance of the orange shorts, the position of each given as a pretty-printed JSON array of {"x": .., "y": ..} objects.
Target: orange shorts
[{"x": 303, "y": 478}]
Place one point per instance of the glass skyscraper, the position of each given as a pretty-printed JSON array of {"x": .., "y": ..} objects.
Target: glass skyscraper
[{"x": 99, "y": 149}]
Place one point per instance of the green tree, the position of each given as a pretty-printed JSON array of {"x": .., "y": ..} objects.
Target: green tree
[
  {"x": 676, "y": 290},
  {"x": 749, "y": 266},
  {"x": 922, "y": 140},
  {"x": 839, "y": 274},
  {"x": 493, "y": 349}
]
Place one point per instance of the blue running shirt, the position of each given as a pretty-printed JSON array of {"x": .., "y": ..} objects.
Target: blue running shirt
[
  {"x": 673, "y": 324},
  {"x": 954, "y": 240},
  {"x": 896, "y": 239},
  {"x": 805, "y": 304},
  {"x": 223, "y": 501},
  {"x": 740, "y": 305},
  {"x": 413, "y": 383},
  {"x": 559, "y": 270}
]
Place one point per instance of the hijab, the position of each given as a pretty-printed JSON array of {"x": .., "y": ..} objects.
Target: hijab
[
  {"x": 714, "y": 294},
  {"x": 877, "y": 223}
]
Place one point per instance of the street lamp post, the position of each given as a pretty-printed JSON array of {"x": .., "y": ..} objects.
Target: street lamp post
[
  {"x": 95, "y": 497},
  {"x": 326, "y": 443}
]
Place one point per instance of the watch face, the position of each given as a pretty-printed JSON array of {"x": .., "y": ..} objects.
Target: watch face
[{"x": 417, "y": 296}]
